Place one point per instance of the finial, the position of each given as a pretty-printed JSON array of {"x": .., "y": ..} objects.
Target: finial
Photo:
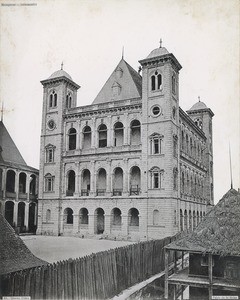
[
  {"x": 230, "y": 166},
  {"x": 160, "y": 43},
  {"x": 123, "y": 52},
  {"x": 198, "y": 98},
  {"x": 61, "y": 65}
]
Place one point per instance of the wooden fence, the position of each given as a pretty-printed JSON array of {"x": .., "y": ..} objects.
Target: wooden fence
[{"x": 97, "y": 276}]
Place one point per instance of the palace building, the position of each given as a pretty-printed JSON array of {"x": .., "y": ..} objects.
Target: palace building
[{"x": 132, "y": 165}]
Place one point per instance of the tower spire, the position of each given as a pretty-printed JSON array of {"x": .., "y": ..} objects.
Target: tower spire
[
  {"x": 160, "y": 43},
  {"x": 62, "y": 65},
  {"x": 2, "y": 112},
  {"x": 230, "y": 166},
  {"x": 123, "y": 52},
  {"x": 198, "y": 98}
]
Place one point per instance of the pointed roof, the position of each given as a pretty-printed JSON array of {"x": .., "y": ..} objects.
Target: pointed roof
[
  {"x": 10, "y": 152},
  {"x": 218, "y": 233},
  {"x": 127, "y": 82},
  {"x": 14, "y": 254}
]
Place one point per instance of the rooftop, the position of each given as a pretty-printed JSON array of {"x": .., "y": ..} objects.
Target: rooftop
[
  {"x": 60, "y": 73},
  {"x": 218, "y": 233},
  {"x": 199, "y": 105},
  {"x": 158, "y": 52}
]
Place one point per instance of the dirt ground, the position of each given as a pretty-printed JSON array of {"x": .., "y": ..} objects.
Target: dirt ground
[{"x": 52, "y": 248}]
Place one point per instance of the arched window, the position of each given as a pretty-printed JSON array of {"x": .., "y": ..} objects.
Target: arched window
[
  {"x": 156, "y": 217},
  {"x": 183, "y": 141},
  {"x": 102, "y": 136},
  {"x": 22, "y": 182},
  {"x": 181, "y": 220},
  {"x": 173, "y": 84},
  {"x": 156, "y": 81},
  {"x": 68, "y": 216},
  {"x": 118, "y": 134},
  {"x": 133, "y": 217},
  {"x": 175, "y": 179},
  {"x": 33, "y": 185},
  {"x": 48, "y": 215},
  {"x": 156, "y": 141},
  {"x": 53, "y": 99},
  {"x": 70, "y": 183},
  {"x": 116, "y": 217},
  {"x": 101, "y": 182},
  {"x": 49, "y": 183},
  {"x": 69, "y": 100},
  {"x": 72, "y": 139},
  {"x": 9, "y": 209},
  {"x": 87, "y": 134},
  {"x": 118, "y": 182},
  {"x": 86, "y": 181},
  {"x": 10, "y": 183},
  {"x": 83, "y": 216},
  {"x": 50, "y": 149},
  {"x": 153, "y": 83},
  {"x": 183, "y": 183},
  {"x": 185, "y": 220},
  {"x": 135, "y": 137},
  {"x": 187, "y": 144},
  {"x": 190, "y": 220},
  {"x": 194, "y": 219},
  {"x": 135, "y": 181},
  {"x": 175, "y": 145},
  {"x": 156, "y": 178}
]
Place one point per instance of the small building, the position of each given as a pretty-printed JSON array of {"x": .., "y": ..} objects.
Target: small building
[
  {"x": 214, "y": 253},
  {"x": 18, "y": 186}
]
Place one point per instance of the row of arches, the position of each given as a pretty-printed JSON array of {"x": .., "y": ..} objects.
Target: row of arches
[
  {"x": 20, "y": 216},
  {"x": 18, "y": 182},
  {"x": 101, "y": 182},
  {"x": 192, "y": 185},
  {"x": 99, "y": 218},
  {"x": 191, "y": 146},
  {"x": 190, "y": 219},
  {"x": 102, "y": 131}
]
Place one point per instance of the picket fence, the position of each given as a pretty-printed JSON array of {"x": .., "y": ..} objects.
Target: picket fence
[{"x": 97, "y": 276}]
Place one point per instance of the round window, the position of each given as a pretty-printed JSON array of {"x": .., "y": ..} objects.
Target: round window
[
  {"x": 156, "y": 110},
  {"x": 51, "y": 124}
]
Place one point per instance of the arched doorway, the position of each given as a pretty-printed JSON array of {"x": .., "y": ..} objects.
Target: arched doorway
[
  {"x": 31, "y": 217},
  {"x": 21, "y": 216},
  {"x": 99, "y": 221},
  {"x": 9, "y": 208}
]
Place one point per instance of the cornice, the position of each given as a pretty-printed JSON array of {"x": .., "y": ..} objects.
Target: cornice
[
  {"x": 58, "y": 80},
  {"x": 161, "y": 59},
  {"x": 202, "y": 110}
]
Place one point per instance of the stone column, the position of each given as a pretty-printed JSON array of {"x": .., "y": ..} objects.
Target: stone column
[
  {"x": 91, "y": 223},
  {"x": 15, "y": 213},
  {"x": 93, "y": 179},
  {"x": 61, "y": 223},
  {"x": 126, "y": 131},
  {"x": 78, "y": 141},
  {"x": 4, "y": 180},
  {"x": 93, "y": 133},
  {"x": 76, "y": 193},
  {"x": 28, "y": 186},
  {"x": 107, "y": 224},
  {"x": 109, "y": 132},
  {"x": 125, "y": 225},
  {"x": 26, "y": 215},
  {"x": 75, "y": 223},
  {"x": 108, "y": 179},
  {"x": 126, "y": 190},
  {"x": 16, "y": 188}
]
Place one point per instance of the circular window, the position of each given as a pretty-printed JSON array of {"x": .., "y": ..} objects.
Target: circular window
[
  {"x": 156, "y": 110},
  {"x": 51, "y": 124}
]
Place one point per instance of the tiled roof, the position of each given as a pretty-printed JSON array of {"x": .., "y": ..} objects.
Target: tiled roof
[
  {"x": 218, "y": 233},
  {"x": 10, "y": 152},
  {"x": 14, "y": 254}
]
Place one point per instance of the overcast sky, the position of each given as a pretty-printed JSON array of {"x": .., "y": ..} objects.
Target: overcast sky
[{"x": 88, "y": 37}]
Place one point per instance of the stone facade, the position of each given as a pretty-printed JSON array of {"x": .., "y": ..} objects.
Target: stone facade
[{"x": 132, "y": 165}]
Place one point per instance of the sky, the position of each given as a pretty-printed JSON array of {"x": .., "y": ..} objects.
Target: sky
[{"x": 88, "y": 37}]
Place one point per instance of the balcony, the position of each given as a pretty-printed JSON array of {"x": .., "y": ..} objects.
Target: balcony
[
  {"x": 69, "y": 193},
  {"x": 10, "y": 195},
  {"x": 22, "y": 195},
  {"x": 101, "y": 192},
  {"x": 117, "y": 192},
  {"x": 85, "y": 192},
  {"x": 134, "y": 190}
]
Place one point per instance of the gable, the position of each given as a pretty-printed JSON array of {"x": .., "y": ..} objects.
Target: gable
[
  {"x": 124, "y": 83},
  {"x": 10, "y": 152}
]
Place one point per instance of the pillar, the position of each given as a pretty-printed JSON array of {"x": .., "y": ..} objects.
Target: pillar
[
  {"x": 75, "y": 223},
  {"x": 93, "y": 180},
  {"x": 91, "y": 218},
  {"x": 93, "y": 133},
  {"x": 16, "y": 188},
  {"x": 125, "y": 225},
  {"x": 210, "y": 274},
  {"x": 107, "y": 224},
  {"x": 166, "y": 274},
  {"x": 15, "y": 213},
  {"x": 26, "y": 215},
  {"x": 108, "y": 179},
  {"x": 125, "y": 178},
  {"x": 79, "y": 140},
  {"x": 28, "y": 186},
  {"x": 4, "y": 180}
]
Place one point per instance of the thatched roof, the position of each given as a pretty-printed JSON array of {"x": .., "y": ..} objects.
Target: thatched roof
[
  {"x": 219, "y": 232},
  {"x": 14, "y": 254}
]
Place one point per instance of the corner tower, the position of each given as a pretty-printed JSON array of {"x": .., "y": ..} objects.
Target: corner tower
[
  {"x": 59, "y": 95},
  {"x": 202, "y": 117},
  {"x": 160, "y": 122}
]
